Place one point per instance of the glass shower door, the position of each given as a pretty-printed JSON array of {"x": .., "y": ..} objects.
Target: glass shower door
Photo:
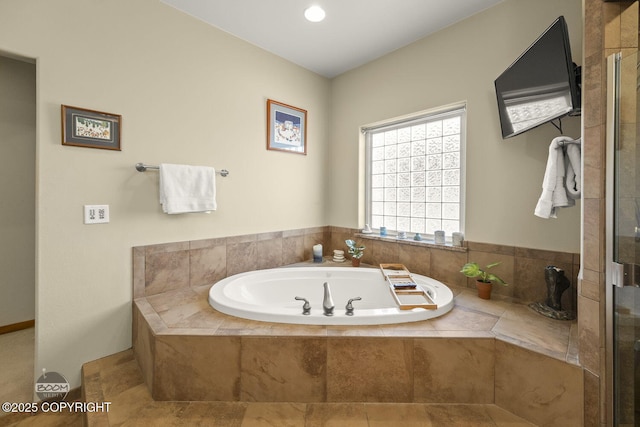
[{"x": 623, "y": 245}]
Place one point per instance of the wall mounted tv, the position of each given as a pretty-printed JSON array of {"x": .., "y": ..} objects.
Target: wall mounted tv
[{"x": 542, "y": 85}]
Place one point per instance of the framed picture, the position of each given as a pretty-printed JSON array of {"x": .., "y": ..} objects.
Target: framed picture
[
  {"x": 89, "y": 128},
  {"x": 286, "y": 128}
]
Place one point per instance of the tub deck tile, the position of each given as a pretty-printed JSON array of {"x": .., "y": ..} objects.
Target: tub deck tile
[{"x": 187, "y": 311}]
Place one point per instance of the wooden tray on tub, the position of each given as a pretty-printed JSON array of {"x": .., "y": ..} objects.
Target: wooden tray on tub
[{"x": 407, "y": 293}]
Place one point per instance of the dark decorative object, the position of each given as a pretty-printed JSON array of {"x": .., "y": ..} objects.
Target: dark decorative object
[{"x": 557, "y": 283}]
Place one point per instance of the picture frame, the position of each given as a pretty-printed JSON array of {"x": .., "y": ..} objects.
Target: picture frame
[
  {"x": 286, "y": 128},
  {"x": 89, "y": 128}
]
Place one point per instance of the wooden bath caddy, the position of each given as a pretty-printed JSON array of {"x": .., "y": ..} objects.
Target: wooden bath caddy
[{"x": 407, "y": 293}]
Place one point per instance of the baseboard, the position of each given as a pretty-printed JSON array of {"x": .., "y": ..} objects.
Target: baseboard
[{"x": 17, "y": 326}]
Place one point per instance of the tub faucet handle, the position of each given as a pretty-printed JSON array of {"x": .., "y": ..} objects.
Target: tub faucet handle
[
  {"x": 306, "y": 308},
  {"x": 349, "y": 306}
]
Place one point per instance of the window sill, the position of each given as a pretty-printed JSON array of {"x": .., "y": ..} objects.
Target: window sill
[{"x": 423, "y": 243}]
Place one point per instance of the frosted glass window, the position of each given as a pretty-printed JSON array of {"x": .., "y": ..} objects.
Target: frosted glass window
[
  {"x": 415, "y": 173},
  {"x": 404, "y": 180},
  {"x": 404, "y": 209},
  {"x": 404, "y": 194},
  {"x": 404, "y": 150},
  {"x": 404, "y": 165}
]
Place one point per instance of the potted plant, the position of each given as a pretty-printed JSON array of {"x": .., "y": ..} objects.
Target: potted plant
[
  {"x": 484, "y": 279},
  {"x": 356, "y": 251}
]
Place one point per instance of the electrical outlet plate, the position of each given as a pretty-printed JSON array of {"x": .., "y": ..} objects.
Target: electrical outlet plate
[{"x": 96, "y": 214}]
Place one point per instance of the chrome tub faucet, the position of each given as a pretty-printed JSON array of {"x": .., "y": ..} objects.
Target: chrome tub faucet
[{"x": 327, "y": 302}]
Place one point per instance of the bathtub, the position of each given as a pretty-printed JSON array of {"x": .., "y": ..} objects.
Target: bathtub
[{"x": 269, "y": 295}]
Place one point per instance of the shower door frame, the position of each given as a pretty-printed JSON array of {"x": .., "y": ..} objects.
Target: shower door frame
[
  {"x": 613, "y": 63},
  {"x": 620, "y": 272}
]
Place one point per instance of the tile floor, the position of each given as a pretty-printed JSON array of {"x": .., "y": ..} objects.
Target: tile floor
[{"x": 16, "y": 382}]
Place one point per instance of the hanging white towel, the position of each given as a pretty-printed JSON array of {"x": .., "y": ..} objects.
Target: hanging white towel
[
  {"x": 554, "y": 192},
  {"x": 574, "y": 170},
  {"x": 186, "y": 189}
]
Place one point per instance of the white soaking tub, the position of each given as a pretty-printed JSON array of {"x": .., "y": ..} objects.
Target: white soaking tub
[{"x": 269, "y": 295}]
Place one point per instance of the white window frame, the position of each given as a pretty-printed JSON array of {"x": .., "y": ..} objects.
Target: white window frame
[{"x": 416, "y": 119}]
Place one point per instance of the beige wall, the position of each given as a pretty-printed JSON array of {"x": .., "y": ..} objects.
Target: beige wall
[
  {"x": 188, "y": 93},
  {"x": 460, "y": 63},
  {"x": 17, "y": 187}
]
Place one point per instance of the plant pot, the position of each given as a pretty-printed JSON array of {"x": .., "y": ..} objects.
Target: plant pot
[
  {"x": 484, "y": 289},
  {"x": 355, "y": 262}
]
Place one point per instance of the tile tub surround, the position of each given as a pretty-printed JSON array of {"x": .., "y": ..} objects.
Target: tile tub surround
[
  {"x": 482, "y": 352},
  {"x": 117, "y": 379},
  {"x": 181, "y": 265},
  {"x": 179, "y": 339}
]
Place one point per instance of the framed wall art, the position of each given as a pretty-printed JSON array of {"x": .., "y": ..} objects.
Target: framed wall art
[
  {"x": 286, "y": 128},
  {"x": 90, "y": 128}
]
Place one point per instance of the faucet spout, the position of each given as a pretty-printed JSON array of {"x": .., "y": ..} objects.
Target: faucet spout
[{"x": 327, "y": 302}]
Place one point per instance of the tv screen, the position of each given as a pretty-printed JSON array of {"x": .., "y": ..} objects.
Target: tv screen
[{"x": 541, "y": 85}]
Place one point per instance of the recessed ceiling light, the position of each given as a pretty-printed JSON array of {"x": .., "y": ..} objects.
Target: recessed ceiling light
[{"x": 314, "y": 14}]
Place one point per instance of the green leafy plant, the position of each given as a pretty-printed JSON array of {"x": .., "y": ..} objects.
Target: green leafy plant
[
  {"x": 357, "y": 251},
  {"x": 473, "y": 270}
]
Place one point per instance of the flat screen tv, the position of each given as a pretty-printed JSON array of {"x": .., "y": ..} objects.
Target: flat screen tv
[{"x": 541, "y": 85}]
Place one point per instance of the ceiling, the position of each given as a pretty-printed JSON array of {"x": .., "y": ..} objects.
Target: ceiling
[{"x": 353, "y": 33}]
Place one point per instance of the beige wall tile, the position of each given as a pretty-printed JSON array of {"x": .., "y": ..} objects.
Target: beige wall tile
[
  {"x": 454, "y": 370},
  {"x": 197, "y": 368},
  {"x": 464, "y": 318},
  {"x": 416, "y": 258},
  {"x": 138, "y": 272},
  {"x": 524, "y": 327},
  {"x": 591, "y": 241},
  {"x": 593, "y": 73},
  {"x": 336, "y": 415},
  {"x": 592, "y": 150},
  {"x": 269, "y": 253},
  {"x": 540, "y": 389},
  {"x": 446, "y": 265},
  {"x": 241, "y": 257},
  {"x": 166, "y": 271},
  {"x": 282, "y": 414},
  {"x": 629, "y": 24},
  {"x": 589, "y": 334},
  {"x": 381, "y": 252},
  {"x": 144, "y": 346},
  {"x": 405, "y": 415},
  {"x": 463, "y": 415},
  {"x": 369, "y": 370},
  {"x": 611, "y": 13},
  {"x": 490, "y": 248},
  {"x": 207, "y": 265},
  {"x": 283, "y": 369},
  {"x": 292, "y": 249},
  {"x": 593, "y": 40}
]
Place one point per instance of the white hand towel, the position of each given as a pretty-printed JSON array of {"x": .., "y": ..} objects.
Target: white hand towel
[{"x": 186, "y": 189}]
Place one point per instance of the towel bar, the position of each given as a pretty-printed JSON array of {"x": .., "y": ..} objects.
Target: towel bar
[{"x": 141, "y": 167}]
